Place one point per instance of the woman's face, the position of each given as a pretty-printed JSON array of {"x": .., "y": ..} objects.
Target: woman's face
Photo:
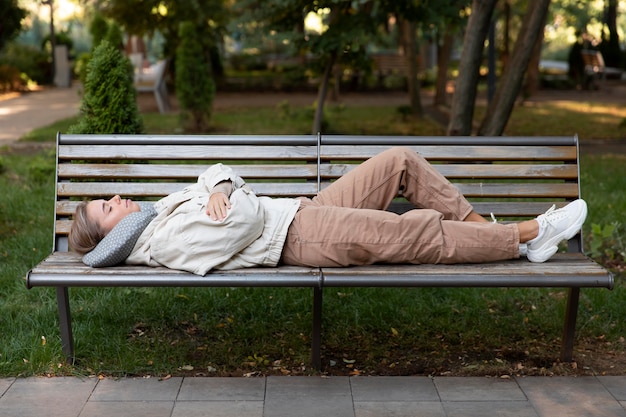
[{"x": 108, "y": 213}]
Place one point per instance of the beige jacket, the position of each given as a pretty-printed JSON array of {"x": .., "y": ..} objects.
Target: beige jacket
[{"x": 182, "y": 236}]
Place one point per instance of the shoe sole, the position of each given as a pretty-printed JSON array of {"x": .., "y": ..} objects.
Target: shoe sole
[{"x": 552, "y": 244}]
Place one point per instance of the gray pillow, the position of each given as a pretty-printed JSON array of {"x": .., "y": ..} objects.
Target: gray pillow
[{"x": 119, "y": 242}]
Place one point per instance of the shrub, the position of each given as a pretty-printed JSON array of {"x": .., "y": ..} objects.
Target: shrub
[
  {"x": 195, "y": 87},
  {"x": 10, "y": 79},
  {"x": 109, "y": 103},
  {"x": 29, "y": 60}
]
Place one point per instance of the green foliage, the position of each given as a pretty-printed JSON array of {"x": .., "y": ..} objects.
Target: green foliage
[
  {"x": 98, "y": 30},
  {"x": 195, "y": 87},
  {"x": 607, "y": 244},
  {"x": 109, "y": 104},
  {"x": 29, "y": 60},
  {"x": 114, "y": 36},
  {"x": 10, "y": 79},
  {"x": 165, "y": 16},
  {"x": 11, "y": 16},
  {"x": 80, "y": 67}
]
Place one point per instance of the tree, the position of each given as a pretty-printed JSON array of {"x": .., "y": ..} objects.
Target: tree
[
  {"x": 195, "y": 88},
  {"x": 501, "y": 106},
  {"x": 610, "y": 47},
  {"x": 11, "y": 16},
  {"x": 462, "y": 112},
  {"x": 109, "y": 104},
  {"x": 145, "y": 17},
  {"x": 449, "y": 17}
]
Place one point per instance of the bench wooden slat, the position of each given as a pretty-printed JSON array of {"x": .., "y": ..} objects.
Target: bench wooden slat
[
  {"x": 564, "y": 269},
  {"x": 496, "y": 171},
  {"x": 503, "y": 209},
  {"x": 66, "y": 269},
  {"x": 160, "y": 189},
  {"x": 291, "y": 189},
  {"x": 499, "y": 209},
  {"x": 188, "y": 152},
  {"x": 451, "y": 153},
  {"x": 187, "y": 172},
  {"x": 182, "y": 171}
]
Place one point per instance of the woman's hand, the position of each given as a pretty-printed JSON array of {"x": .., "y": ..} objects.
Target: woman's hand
[{"x": 218, "y": 206}]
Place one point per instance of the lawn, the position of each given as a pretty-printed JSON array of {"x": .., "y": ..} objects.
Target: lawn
[{"x": 228, "y": 331}]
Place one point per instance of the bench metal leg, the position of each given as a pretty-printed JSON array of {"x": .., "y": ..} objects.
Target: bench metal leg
[
  {"x": 569, "y": 328},
  {"x": 65, "y": 323},
  {"x": 316, "y": 358}
]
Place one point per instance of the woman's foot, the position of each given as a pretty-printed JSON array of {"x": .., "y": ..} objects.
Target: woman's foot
[{"x": 556, "y": 225}]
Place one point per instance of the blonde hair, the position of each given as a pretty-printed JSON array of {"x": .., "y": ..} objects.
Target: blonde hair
[{"x": 85, "y": 234}]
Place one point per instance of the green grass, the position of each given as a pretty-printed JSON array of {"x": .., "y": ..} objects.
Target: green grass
[
  {"x": 226, "y": 331},
  {"x": 588, "y": 120}
]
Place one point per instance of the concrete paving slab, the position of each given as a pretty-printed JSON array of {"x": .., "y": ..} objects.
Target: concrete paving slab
[
  {"x": 571, "y": 397},
  {"x": 222, "y": 389},
  {"x": 137, "y": 389},
  {"x": 478, "y": 389},
  {"x": 5, "y": 383},
  {"x": 128, "y": 409},
  {"x": 50, "y": 397},
  {"x": 218, "y": 409},
  {"x": 490, "y": 408},
  {"x": 399, "y": 409},
  {"x": 392, "y": 388},
  {"x": 616, "y": 385},
  {"x": 308, "y": 396}
]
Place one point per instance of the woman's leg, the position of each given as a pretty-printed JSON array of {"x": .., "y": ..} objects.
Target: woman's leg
[
  {"x": 377, "y": 181},
  {"x": 329, "y": 236}
]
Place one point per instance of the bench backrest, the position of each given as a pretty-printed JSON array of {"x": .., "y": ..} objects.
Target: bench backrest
[{"x": 514, "y": 177}]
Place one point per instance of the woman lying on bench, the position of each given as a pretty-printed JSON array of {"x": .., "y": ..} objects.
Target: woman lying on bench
[{"x": 219, "y": 223}]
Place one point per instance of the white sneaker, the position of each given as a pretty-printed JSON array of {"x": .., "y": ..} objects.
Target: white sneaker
[{"x": 556, "y": 225}]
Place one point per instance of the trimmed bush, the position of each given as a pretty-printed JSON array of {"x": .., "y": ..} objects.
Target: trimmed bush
[
  {"x": 195, "y": 87},
  {"x": 109, "y": 104}
]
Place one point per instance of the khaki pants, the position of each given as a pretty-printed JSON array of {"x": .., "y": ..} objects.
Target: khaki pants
[{"x": 346, "y": 223}]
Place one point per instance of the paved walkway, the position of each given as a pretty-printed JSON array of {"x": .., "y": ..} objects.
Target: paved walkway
[
  {"x": 315, "y": 396},
  {"x": 21, "y": 114}
]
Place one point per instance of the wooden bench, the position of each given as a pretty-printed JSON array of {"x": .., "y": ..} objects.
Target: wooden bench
[{"x": 512, "y": 177}]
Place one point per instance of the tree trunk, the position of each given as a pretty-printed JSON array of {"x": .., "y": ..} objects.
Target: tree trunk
[
  {"x": 532, "y": 72},
  {"x": 612, "y": 54},
  {"x": 322, "y": 92},
  {"x": 501, "y": 106},
  {"x": 443, "y": 63},
  {"x": 504, "y": 56},
  {"x": 463, "y": 102},
  {"x": 410, "y": 54}
]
